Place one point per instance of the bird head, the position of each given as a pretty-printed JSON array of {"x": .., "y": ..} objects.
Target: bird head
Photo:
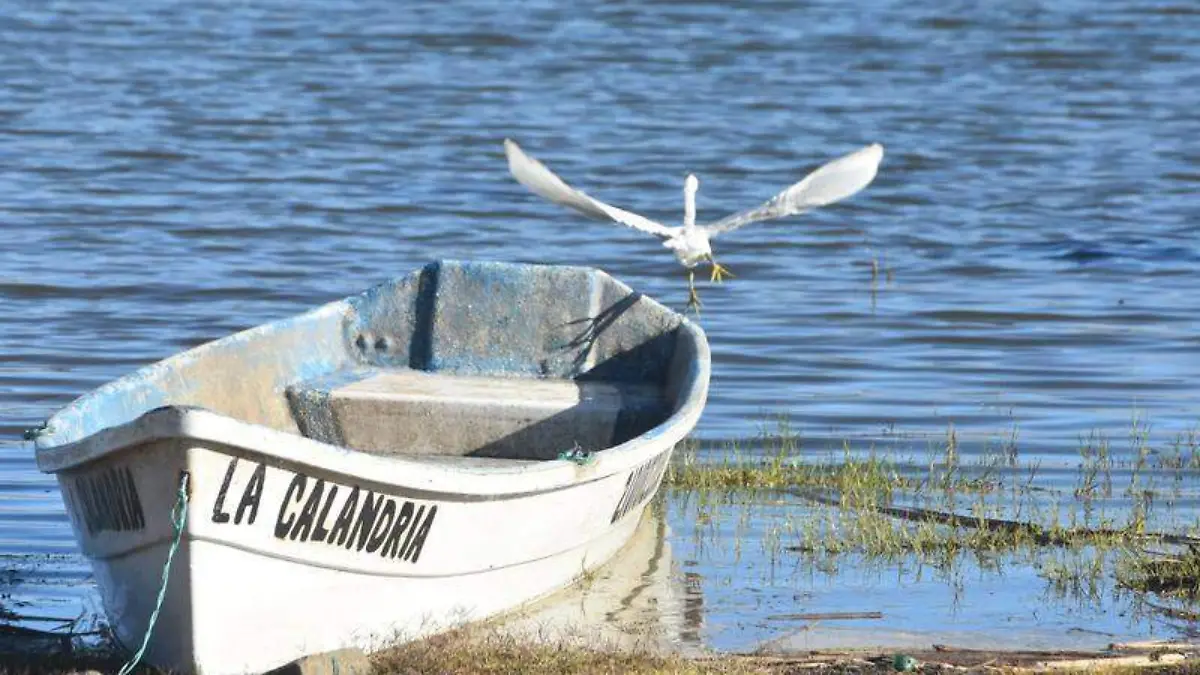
[{"x": 691, "y": 184}]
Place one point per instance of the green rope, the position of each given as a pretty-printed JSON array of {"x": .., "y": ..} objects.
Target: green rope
[
  {"x": 577, "y": 455},
  {"x": 178, "y": 518}
]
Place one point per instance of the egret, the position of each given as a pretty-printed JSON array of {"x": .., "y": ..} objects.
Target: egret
[{"x": 691, "y": 243}]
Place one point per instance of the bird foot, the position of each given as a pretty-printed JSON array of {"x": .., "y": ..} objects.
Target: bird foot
[
  {"x": 719, "y": 272},
  {"x": 693, "y": 300}
]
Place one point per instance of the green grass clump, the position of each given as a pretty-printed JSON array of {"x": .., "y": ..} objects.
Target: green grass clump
[
  {"x": 778, "y": 471},
  {"x": 1167, "y": 575},
  {"x": 778, "y": 466}
]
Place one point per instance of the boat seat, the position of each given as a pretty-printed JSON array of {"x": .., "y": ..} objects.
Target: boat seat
[{"x": 415, "y": 412}]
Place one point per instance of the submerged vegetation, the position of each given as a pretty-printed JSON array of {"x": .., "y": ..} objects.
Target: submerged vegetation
[
  {"x": 862, "y": 506},
  {"x": 1175, "y": 576}
]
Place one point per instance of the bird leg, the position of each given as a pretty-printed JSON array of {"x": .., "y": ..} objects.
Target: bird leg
[{"x": 693, "y": 297}]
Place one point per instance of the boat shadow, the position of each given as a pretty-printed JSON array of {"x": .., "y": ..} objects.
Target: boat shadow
[
  {"x": 594, "y": 326},
  {"x": 621, "y": 395}
]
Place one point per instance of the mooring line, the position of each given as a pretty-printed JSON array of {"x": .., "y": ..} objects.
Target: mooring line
[{"x": 178, "y": 519}]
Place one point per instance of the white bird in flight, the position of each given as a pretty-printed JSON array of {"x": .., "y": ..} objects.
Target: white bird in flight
[{"x": 832, "y": 182}]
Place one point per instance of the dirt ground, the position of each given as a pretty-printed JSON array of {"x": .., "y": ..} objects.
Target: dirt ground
[{"x": 466, "y": 654}]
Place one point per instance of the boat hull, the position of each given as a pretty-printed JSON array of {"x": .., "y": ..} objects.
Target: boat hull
[
  {"x": 277, "y": 560},
  {"x": 295, "y": 542}
]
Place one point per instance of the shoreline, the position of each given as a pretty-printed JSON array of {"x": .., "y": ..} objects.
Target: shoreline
[{"x": 484, "y": 650}]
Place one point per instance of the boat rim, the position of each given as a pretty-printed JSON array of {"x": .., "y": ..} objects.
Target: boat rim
[{"x": 191, "y": 423}]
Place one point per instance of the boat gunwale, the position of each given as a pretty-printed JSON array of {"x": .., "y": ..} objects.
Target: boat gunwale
[{"x": 409, "y": 472}]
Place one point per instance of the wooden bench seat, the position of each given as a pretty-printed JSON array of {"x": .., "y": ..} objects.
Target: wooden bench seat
[{"x": 401, "y": 411}]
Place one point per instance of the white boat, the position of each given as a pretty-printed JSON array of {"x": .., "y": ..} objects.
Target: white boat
[{"x": 440, "y": 448}]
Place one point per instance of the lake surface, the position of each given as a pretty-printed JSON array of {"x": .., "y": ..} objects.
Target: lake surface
[{"x": 1026, "y": 261}]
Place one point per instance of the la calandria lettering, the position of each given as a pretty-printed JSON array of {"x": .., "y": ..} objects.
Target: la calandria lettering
[
  {"x": 107, "y": 500},
  {"x": 641, "y": 483},
  {"x": 362, "y": 520}
]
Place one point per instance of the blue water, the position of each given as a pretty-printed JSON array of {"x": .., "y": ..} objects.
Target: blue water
[{"x": 174, "y": 171}]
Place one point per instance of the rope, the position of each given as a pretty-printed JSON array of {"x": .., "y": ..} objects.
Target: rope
[
  {"x": 577, "y": 455},
  {"x": 178, "y": 518}
]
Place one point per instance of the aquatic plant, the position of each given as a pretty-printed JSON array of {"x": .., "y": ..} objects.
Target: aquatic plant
[{"x": 869, "y": 507}]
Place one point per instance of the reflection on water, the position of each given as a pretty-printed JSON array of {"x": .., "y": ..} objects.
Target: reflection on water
[
  {"x": 636, "y": 601},
  {"x": 760, "y": 594},
  {"x": 693, "y": 607},
  {"x": 700, "y": 575}
]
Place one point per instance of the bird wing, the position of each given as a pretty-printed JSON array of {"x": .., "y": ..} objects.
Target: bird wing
[
  {"x": 830, "y": 183},
  {"x": 535, "y": 176}
]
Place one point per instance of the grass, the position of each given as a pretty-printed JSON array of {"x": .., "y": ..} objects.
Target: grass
[
  {"x": 861, "y": 507},
  {"x": 865, "y": 506},
  {"x": 487, "y": 652},
  {"x": 481, "y": 649},
  {"x": 1175, "y": 576},
  {"x": 484, "y": 651},
  {"x": 777, "y": 470},
  {"x": 477, "y": 651}
]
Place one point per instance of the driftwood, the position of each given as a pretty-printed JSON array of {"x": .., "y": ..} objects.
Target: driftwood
[
  {"x": 826, "y": 616},
  {"x": 1153, "y": 645},
  {"x": 1173, "y": 612},
  {"x": 1111, "y": 662},
  {"x": 1040, "y": 534}
]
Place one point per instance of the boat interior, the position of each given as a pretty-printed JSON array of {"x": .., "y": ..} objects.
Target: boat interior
[
  {"x": 488, "y": 360},
  {"x": 417, "y": 412},
  {"x": 495, "y": 363}
]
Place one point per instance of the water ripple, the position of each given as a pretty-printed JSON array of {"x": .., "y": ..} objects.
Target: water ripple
[{"x": 177, "y": 171}]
